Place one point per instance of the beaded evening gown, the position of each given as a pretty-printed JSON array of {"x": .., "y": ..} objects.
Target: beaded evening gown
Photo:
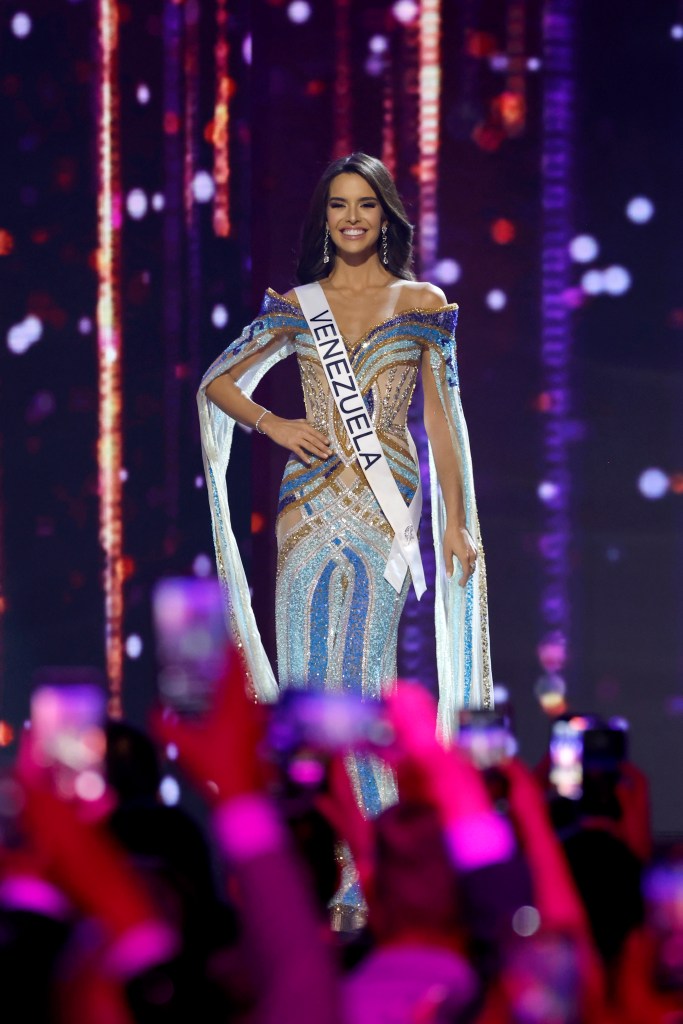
[{"x": 336, "y": 616}]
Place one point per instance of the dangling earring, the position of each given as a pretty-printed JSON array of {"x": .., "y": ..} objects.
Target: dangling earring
[
  {"x": 326, "y": 246},
  {"x": 385, "y": 257}
]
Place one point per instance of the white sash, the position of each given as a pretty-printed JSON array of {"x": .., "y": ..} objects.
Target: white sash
[{"x": 405, "y": 550}]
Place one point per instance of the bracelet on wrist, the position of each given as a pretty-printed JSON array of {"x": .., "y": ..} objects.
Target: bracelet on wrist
[{"x": 256, "y": 425}]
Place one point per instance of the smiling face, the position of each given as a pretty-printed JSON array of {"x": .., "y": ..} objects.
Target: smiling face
[{"x": 354, "y": 217}]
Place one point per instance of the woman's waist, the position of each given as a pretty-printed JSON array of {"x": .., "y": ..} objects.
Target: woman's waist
[{"x": 327, "y": 479}]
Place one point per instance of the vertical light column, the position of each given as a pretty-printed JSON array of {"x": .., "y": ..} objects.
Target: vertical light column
[
  {"x": 514, "y": 102},
  {"x": 192, "y": 185},
  {"x": 417, "y": 656},
  {"x": 109, "y": 340},
  {"x": 389, "y": 117},
  {"x": 557, "y": 171},
  {"x": 343, "y": 134},
  {"x": 3, "y": 598},
  {"x": 221, "y": 125},
  {"x": 428, "y": 141}
]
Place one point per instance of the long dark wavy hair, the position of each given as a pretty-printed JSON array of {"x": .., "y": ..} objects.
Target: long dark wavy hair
[{"x": 399, "y": 228}]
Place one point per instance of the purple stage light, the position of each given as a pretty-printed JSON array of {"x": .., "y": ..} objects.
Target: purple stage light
[
  {"x": 559, "y": 97},
  {"x": 548, "y": 491},
  {"x": 21, "y": 336},
  {"x": 378, "y": 44},
  {"x": 374, "y": 65},
  {"x": 616, "y": 280},
  {"x": 203, "y": 187},
  {"x": 21, "y": 25},
  {"x": 447, "y": 271},
  {"x": 653, "y": 483},
  {"x": 136, "y": 204},
  {"x": 583, "y": 248},
  {"x": 219, "y": 316},
  {"x": 496, "y": 300},
  {"x": 640, "y": 209},
  {"x": 299, "y": 12},
  {"x": 41, "y": 406},
  {"x": 202, "y": 566},
  {"x": 133, "y": 646},
  {"x": 169, "y": 791},
  {"x": 593, "y": 282},
  {"x": 405, "y": 11}
]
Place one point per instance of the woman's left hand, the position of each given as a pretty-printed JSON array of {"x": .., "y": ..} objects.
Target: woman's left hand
[{"x": 458, "y": 542}]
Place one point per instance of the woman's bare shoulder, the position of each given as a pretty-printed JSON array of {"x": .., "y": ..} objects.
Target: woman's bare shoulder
[{"x": 424, "y": 295}]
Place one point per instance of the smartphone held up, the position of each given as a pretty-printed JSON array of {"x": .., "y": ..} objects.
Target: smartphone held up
[
  {"x": 191, "y": 641},
  {"x": 68, "y": 712}
]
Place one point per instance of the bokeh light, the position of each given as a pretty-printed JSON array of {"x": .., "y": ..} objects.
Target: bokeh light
[
  {"x": 158, "y": 201},
  {"x": 653, "y": 483},
  {"x": 219, "y": 316},
  {"x": 677, "y": 32},
  {"x": 552, "y": 652},
  {"x": 405, "y": 11},
  {"x": 6, "y": 736},
  {"x": 547, "y": 491},
  {"x": 136, "y": 203},
  {"x": 21, "y": 24},
  {"x": 593, "y": 282},
  {"x": 447, "y": 271},
  {"x": 616, "y": 280},
  {"x": 640, "y": 209},
  {"x": 378, "y": 44},
  {"x": 41, "y": 406},
  {"x": 202, "y": 565},
  {"x": 21, "y": 336},
  {"x": 551, "y": 692},
  {"x": 143, "y": 93},
  {"x": 503, "y": 231},
  {"x": 6, "y": 242},
  {"x": 203, "y": 187},
  {"x": 583, "y": 248},
  {"x": 134, "y": 646},
  {"x": 169, "y": 791},
  {"x": 89, "y": 785},
  {"x": 299, "y": 12},
  {"x": 676, "y": 483},
  {"x": 374, "y": 65},
  {"x": 526, "y": 921},
  {"x": 496, "y": 299}
]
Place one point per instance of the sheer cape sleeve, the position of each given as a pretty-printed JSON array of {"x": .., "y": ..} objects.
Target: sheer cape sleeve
[
  {"x": 460, "y": 613},
  {"x": 264, "y": 342}
]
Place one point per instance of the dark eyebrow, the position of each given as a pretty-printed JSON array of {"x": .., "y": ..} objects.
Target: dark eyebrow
[{"x": 363, "y": 199}]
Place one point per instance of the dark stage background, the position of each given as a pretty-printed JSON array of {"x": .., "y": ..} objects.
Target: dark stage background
[{"x": 149, "y": 199}]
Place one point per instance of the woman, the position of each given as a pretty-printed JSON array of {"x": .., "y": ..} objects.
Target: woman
[{"x": 343, "y": 574}]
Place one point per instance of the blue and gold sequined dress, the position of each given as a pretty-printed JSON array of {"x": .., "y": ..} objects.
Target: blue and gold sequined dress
[{"x": 336, "y": 616}]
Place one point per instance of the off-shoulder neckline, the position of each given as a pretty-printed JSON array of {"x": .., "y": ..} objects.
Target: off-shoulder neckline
[{"x": 380, "y": 323}]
